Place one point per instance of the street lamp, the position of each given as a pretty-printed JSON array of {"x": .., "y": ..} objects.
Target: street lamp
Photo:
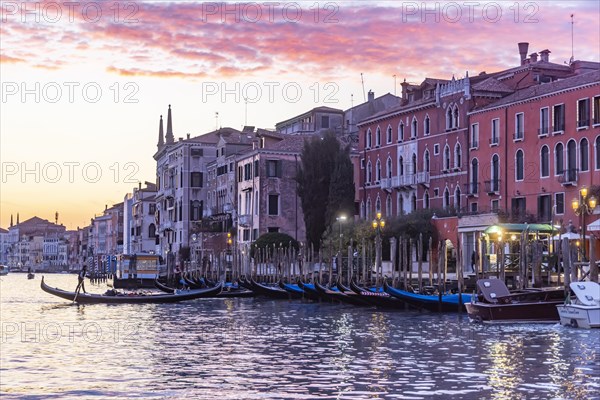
[
  {"x": 582, "y": 206},
  {"x": 378, "y": 225}
]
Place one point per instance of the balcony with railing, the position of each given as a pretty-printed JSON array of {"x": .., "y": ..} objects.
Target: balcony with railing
[
  {"x": 492, "y": 187},
  {"x": 245, "y": 220},
  {"x": 568, "y": 177},
  {"x": 472, "y": 189},
  {"x": 386, "y": 183}
]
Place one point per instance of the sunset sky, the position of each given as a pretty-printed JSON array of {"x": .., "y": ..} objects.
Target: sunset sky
[{"x": 83, "y": 86}]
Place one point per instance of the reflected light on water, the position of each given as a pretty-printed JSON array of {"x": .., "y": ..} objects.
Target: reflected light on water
[{"x": 260, "y": 348}]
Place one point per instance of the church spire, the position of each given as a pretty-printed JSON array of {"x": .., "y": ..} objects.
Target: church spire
[
  {"x": 169, "y": 138},
  {"x": 161, "y": 136}
]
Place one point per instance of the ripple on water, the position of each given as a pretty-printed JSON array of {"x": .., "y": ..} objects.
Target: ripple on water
[{"x": 263, "y": 349}]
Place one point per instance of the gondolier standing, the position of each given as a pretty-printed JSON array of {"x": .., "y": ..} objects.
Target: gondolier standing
[{"x": 81, "y": 278}]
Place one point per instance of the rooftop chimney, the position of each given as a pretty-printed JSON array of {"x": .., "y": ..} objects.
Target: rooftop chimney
[
  {"x": 404, "y": 85},
  {"x": 523, "y": 47},
  {"x": 188, "y": 135},
  {"x": 371, "y": 96},
  {"x": 533, "y": 57},
  {"x": 544, "y": 55}
]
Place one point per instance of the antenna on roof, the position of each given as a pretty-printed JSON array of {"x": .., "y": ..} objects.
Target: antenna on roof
[
  {"x": 216, "y": 120},
  {"x": 572, "y": 41},
  {"x": 394, "y": 84},
  {"x": 351, "y": 100},
  {"x": 245, "y": 111},
  {"x": 363, "y": 85}
]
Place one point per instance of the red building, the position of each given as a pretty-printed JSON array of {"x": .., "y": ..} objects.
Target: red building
[{"x": 519, "y": 141}]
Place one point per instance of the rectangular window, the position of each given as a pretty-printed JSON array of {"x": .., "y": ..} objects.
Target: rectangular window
[
  {"x": 495, "y": 205},
  {"x": 246, "y": 234},
  {"x": 274, "y": 168},
  {"x": 519, "y": 127},
  {"x": 518, "y": 208},
  {"x": 558, "y": 118},
  {"x": 596, "y": 110},
  {"x": 436, "y": 149},
  {"x": 559, "y": 202},
  {"x": 583, "y": 113},
  {"x": 362, "y": 163},
  {"x": 545, "y": 208},
  {"x": 273, "y": 204},
  {"x": 474, "y": 207},
  {"x": 325, "y": 121},
  {"x": 474, "y": 136},
  {"x": 495, "y": 137},
  {"x": 254, "y": 234},
  {"x": 247, "y": 172},
  {"x": 240, "y": 174},
  {"x": 152, "y": 208},
  {"x": 196, "y": 179},
  {"x": 436, "y": 192},
  {"x": 544, "y": 123},
  {"x": 273, "y": 230},
  {"x": 256, "y": 168}
]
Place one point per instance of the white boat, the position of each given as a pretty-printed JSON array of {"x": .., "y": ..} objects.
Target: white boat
[
  {"x": 583, "y": 310},
  {"x": 3, "y": 270}
]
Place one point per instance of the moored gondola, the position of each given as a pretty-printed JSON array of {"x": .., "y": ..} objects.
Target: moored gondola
[
  {"x": 444, "y": 303},
  {"x": 227, "y": 291},
  {"x": 309, "y": 290},
  {"x": 118, "y": 298},
  {"x": 378, "y": 299},
  {"x": 272, "y": 292},
  {"x": 339, "y": 296}
]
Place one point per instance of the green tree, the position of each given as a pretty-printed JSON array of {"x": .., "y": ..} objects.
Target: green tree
[
  {"x": 273, "y": 240},
  {"x": 325, "y": 185}
]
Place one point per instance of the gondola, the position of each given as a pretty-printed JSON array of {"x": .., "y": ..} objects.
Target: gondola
[
  {"x": 243, "y": 282},
  {"x": 339, "y": 296},
  {"x": 444, "y": 303},
  {"x": 378, "y": 299},
  {"x": 192, "y": 284},
  {"x": 227, "y": 292},
  {"x": 294, "y": 290},
  {"x": 87, "y": 298},
  {"x": 309, "y": 290},
  {"x": 272, "y": 292}
]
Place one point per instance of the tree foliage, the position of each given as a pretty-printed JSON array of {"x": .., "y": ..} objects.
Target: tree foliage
[
  {"x": 273, "y": 240},
  {"x": 325, "y": 185}
]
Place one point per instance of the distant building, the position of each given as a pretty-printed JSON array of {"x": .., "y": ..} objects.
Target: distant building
[
  {"x": 140, "y": 232},
  {"x": 316, "y": 121}
]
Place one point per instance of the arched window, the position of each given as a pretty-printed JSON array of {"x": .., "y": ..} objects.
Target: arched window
[
  {"x": 446, "y": 198},
  {"x": 474, "y": 188},
  {"x": 519, "y": 165},
  {"x": 362, "y": 209},
  {"x": 426, "y": 126},
  {"x": 559, "y": 159},
  {"x": 545, "y": 162},
  {"x": 401, "y": 166},
  {"x": 449, "y": 118},
  {"x": 151, "y": 231},
  {"x": 584, "y": 164},
  {"x": 389, "y": 168},
  {"x": 400, "y": 204},
  {"x": 378, "y": 205},
  {"x": 413, "y": 203},
  {"x": 426, "y": 161},
  {"x": 446, "y": 158},
  {"x": 401, "y": 131},
  {"x": 426, "y": 200},
  {"x": 457, "y": 156},
  {"x": 378, "y": 170},
  {"x": 457, "y": 194},
  {"x": 389, "y": 134},
  {"x": 368, "y": 139},
  {"x": 378, "y": 137},
  {"x": 388, "y": 205},
  {"x": 597, "y": 146},
  {"x": 455, "y": 117},
  {"x": 414, "y": 163},
  {"x": 571, "y": 161},
  {"x": 196, "y": 211},
  {"x": 368, "y": 212},
  {"x": 413, "y": 128},
  {"x": 495, "y": 187},
  {"x": 368, "y": 172}
]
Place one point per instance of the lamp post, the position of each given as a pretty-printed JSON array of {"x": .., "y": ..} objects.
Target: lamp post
[
  {"x": 582, "y": 206},
  {"x": 378, "y": 224},
  {"x": 340, "y": 219}
]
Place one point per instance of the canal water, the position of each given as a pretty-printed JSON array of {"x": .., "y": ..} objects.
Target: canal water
[{"x": 260, "y": 348}]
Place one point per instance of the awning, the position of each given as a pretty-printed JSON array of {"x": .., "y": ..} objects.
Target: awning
[
  {"x": 594, "y": 226},
  {"x": 518, "y": 228}
]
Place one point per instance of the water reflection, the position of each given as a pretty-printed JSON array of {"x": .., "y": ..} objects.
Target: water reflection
[{"x": 253, "y": 348}]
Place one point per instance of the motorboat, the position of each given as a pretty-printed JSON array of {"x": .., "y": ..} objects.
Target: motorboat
[{"x": 582, "y": 310}]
